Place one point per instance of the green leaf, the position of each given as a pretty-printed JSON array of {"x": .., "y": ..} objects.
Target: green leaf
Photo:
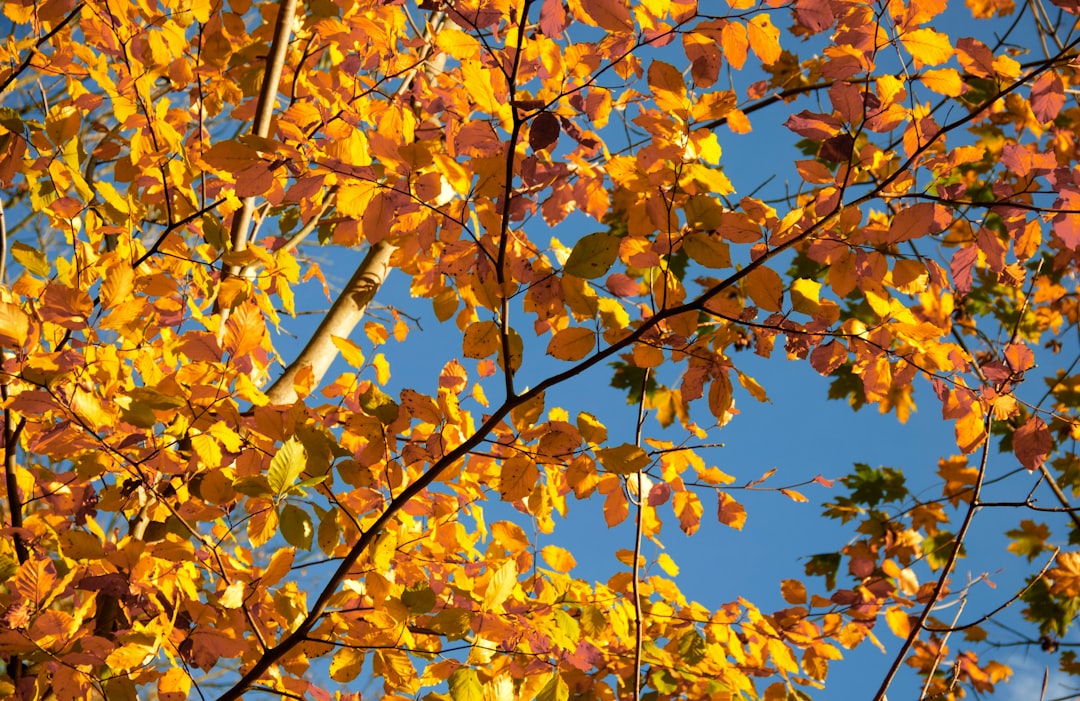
[
  {"x": 296, "y": 526},
  {"x": 254, "y": 486},
  {"x": 329, "y": 531},
  {"x": 555, "y": 690},
  {"x": 287, "y": 465},
  {"x": 8, "y": 567},
  {"x": 592, "y": 256},
  {"x": 826, "y": 565},
  {"x": 692, "y": 647},
  {"x": 377, "y": 403},
  {"x": 1028, "y": 540},
  {"x": 465, "y": 686},
  {"x": 630, "y": 378},
  {"x": 939, "y": 547},
  {"x": 418, "y": 598},
  {"x": 872, "y": 487}
]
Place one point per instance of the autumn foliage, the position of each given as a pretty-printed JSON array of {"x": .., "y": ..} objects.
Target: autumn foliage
[{"x": 226, "y": 473}]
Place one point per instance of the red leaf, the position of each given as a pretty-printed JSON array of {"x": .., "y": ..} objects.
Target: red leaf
[
  {"x": 730, "y": 512},
  {"x": 659, "y": 494},
  {"x": 544, "y": 131},
  {"x": 827, "y": 357},
  {"x": 1047, "y": 97},
  {"x": 621, "y": 285},
  {"x": 1071, "y": 6},
  {"x": 815, "y": 15},
  {"x": 961, "y": 265},
  {"x": 813, "y": 126},
  {"x": 553, "y": 18},
  {"x": 1032, "y": 443},
  {"x": 917, "y": 221}
]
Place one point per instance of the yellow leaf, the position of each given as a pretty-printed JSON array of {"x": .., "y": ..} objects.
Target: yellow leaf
[
  {"x": 382, "y": 368},
  {"x": 233, "y": 596},
  {"x": 128, "y": 657},
  {"x": 624, "y": 459},
  {"x": 927, "y": 47},
  {"x": 349, "y": 351},
  {"x": 898, "y": 622},
  {"x": 347, "y": 664},
  {"x": 944, "y": 81},
  {"x": 500, "y": 586},
  {"x": 174, "y": 685},
  {"x": 781, "y": 655},
  {"x": 572, "y": 344},
  {"x": 668, "y": 565},
  {"x": 805, "y": 295}
]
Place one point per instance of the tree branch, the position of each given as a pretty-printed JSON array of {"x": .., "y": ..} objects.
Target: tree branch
[
  {"x": 342, "y": 318},
  {"x": 264, "y": 110}
]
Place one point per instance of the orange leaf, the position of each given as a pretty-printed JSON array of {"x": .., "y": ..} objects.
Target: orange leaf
[
  {"x": 765, "y": 288},
  {"x": 244, "y": 331},
  {"x": 734, "y": 42},
  {"x": 668, "y": 87},
  {"x": 1066, "y": 575},
  {"x": 688, "y": 508},
  {"x": 481, "y": 340},
  {"x": 612, "y": 15},
  {"x": 14, "y": 325},
  {"x": 35, "y": 579},
  {"x": 572, "y": 344},
  {"x": 793, "y": 591},
  {"x": 764, "y": 39},
  {"x": 730, "y": 512},
  {"x": 558, "y": 559}
]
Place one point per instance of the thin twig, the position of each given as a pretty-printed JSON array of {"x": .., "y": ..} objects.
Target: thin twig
[{"x": 635, "y": 582}]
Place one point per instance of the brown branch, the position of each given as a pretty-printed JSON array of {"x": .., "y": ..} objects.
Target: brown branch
[
  {"x": 15, "y": 73},
  {"x": 989, "y": 616},
  {"x": 640, "y": 503},
  {"x": 453, "y": 456},
  {"x": 946, "y": 570}
]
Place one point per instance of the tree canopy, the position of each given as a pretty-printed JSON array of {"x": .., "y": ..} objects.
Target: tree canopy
[{"x": 217, "y": 218}]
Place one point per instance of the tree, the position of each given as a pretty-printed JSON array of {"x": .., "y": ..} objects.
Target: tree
[{"x": 198, "y": 505}]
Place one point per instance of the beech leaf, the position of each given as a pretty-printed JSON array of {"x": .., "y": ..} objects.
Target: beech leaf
[
  {"x": 592, "y": 255},
  {"x": 286, "y": 466},
  {"x": 1032, "y": 443}
]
